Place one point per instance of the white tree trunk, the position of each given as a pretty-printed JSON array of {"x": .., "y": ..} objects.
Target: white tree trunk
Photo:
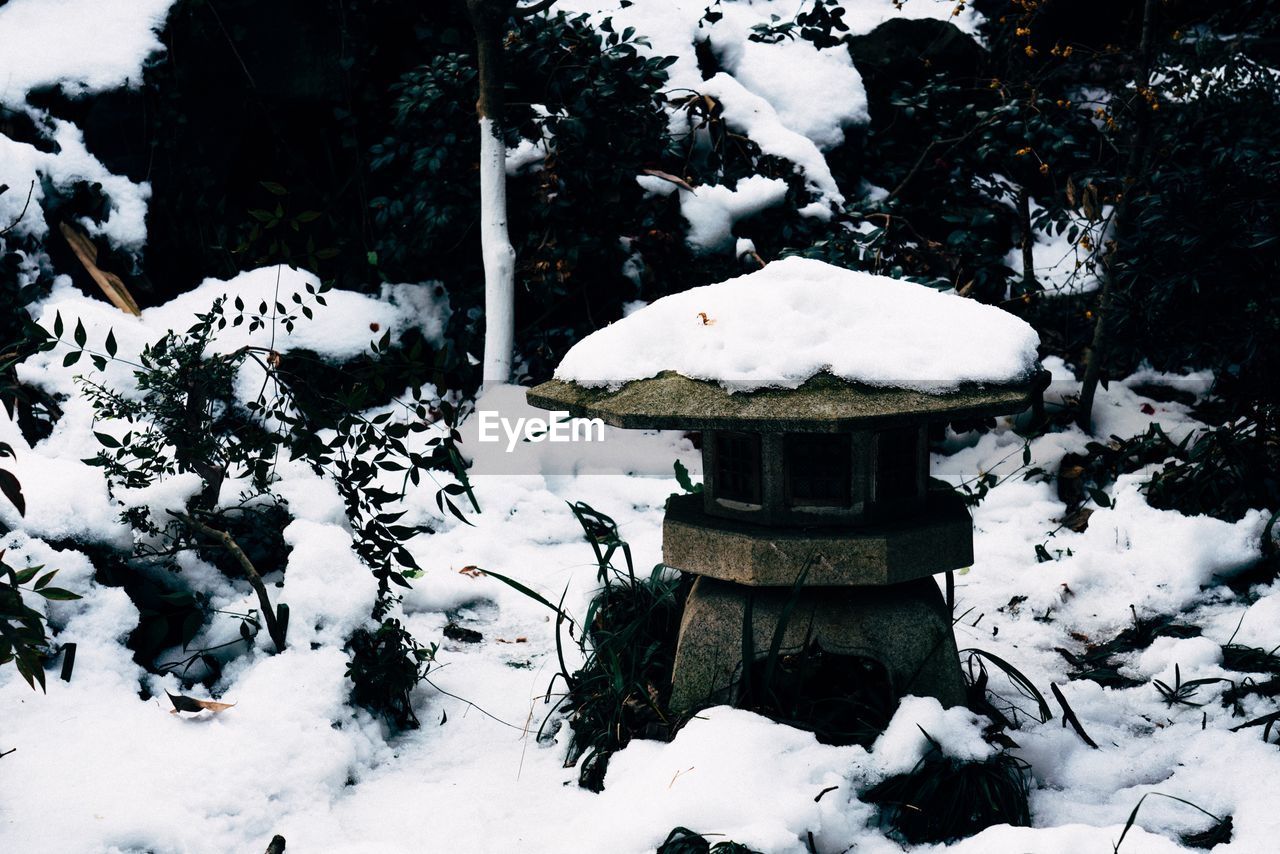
[{"x": 499, "y": 258}]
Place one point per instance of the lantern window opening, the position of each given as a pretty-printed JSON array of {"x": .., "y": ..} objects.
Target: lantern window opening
[
  {"x": 737, "y": 473},
  {"x": 817, "y": 469},
  {"x": 898, "y": 459}
]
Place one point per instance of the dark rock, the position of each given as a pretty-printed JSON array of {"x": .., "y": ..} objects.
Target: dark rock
[{"x": 458, "y": 633}]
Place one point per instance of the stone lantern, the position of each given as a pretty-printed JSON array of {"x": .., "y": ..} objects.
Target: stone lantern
[{"x": 828, "y": 479}]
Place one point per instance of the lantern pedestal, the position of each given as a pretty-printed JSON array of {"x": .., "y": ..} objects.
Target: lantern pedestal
[
  {"x": 904, "y": 627},
  {"x": 867, "y": 591}
]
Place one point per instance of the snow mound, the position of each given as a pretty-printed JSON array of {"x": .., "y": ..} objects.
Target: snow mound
[
  {"x": 86, "y": 45},
  {"x": 798, "y": 317}
]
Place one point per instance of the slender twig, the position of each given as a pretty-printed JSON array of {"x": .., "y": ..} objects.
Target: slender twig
[
  {"x": 274, "y": 629},
  {"x": 1069, "y": 717},
  {"x": 11, "y": 226}
]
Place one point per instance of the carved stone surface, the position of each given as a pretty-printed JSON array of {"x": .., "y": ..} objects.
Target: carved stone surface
[
  {"x": 938, "y": 539},
  {"x": 905, "y": 627},
  {"x": 825, "y": 403}
]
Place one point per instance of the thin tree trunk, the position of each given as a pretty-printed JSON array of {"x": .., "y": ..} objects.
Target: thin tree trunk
[
  {"x": 1029, "y": 283},
  {"x": 1137, "y": 154},
  {"x": 488, "y": 18}
]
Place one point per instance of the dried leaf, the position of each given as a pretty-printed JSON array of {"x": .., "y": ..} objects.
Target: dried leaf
[
  {"x": 1090, "y": 203},
  {"x": 1078, "y": 520},
  {"x": 471, "y": 571},
  {"x": 706, "y": 321},
  {"x": 191, "y": 704},
  {"x": 667, "y": 176}
]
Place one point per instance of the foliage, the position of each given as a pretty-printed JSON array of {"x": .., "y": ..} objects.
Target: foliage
[
  {"x": 682, "y": 840},
  {"x": 1219, "y": 832},
  {"x": 818, "y": 24},
  {"x": 9, "y": 485},
  {"x": 981, "y": 699},
  {"x": 841, "y": 699},
  {"x": 1201, "y": 235},
  {"x": 1180, "y": 693},
  {"x": 629, "y": 640},
  {"x": 386, "y": 665},
  {"x": 942, "y": 798},
  {"x": 1221, "y": 471},
  {"x": 23, "y": 637},
  {"x": 183, "y": 416},
  {"x": 21, "y": 281},
  {"x": 1098, "y": 662},
  {"x": 591, "y": 100},
  {"x": 961, "y": 140}
]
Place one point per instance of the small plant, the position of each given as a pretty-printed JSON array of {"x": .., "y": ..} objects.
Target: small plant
[
  {"x": 682, "y": 840},
  {"x": 386, "y": 665},
  {"x": 942, "y": 798},
  {"x": 1220, "y": 832},
  {"x": 982, "y": 699},
  {"x": 1098, "y": 661},
  {"x": 629, "y": 638},
  {"x": 629, "y": 641},
  {"x": 841, "y": 699},
  {"x": 1180, "y": 693},
  {"x": 23, "y": 639}
]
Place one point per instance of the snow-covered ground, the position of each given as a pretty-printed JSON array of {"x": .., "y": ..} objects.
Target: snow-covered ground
[
  {"x": 94, "y": 768},
  {"x": 99, "y": 769}
]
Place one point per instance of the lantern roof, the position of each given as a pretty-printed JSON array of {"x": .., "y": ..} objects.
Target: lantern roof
[
  {"x": 823, "y": 403},
  {"x": 799, "y": 345}
]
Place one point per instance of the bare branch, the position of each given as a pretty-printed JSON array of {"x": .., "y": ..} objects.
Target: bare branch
[
  {"x": 274, "y": 628},
  {"x": 11, "y": 226}
]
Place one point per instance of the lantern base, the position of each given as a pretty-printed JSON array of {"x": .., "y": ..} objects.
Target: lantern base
[{"x": 904, "y": 627}]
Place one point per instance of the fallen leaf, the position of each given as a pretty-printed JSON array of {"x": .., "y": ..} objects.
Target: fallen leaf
[
  {"x": 667, "y": 176},
  {"x": 191, "y": 704},
  {"x": 1078, "y": 520},
  {"x": 520, "y": 639},
  {"x": 706, "y": 321},
  {"x": 1148, "y": 409},
  {"x": 471, "y": 571}
]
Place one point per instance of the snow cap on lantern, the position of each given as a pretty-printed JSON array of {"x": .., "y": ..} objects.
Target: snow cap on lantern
[{"x": 814, "y": 385}]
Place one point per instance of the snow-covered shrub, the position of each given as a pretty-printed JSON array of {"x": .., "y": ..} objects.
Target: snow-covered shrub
[
  {"x": 386, "y": 664},
  {"x": 191, "y": 446}
]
